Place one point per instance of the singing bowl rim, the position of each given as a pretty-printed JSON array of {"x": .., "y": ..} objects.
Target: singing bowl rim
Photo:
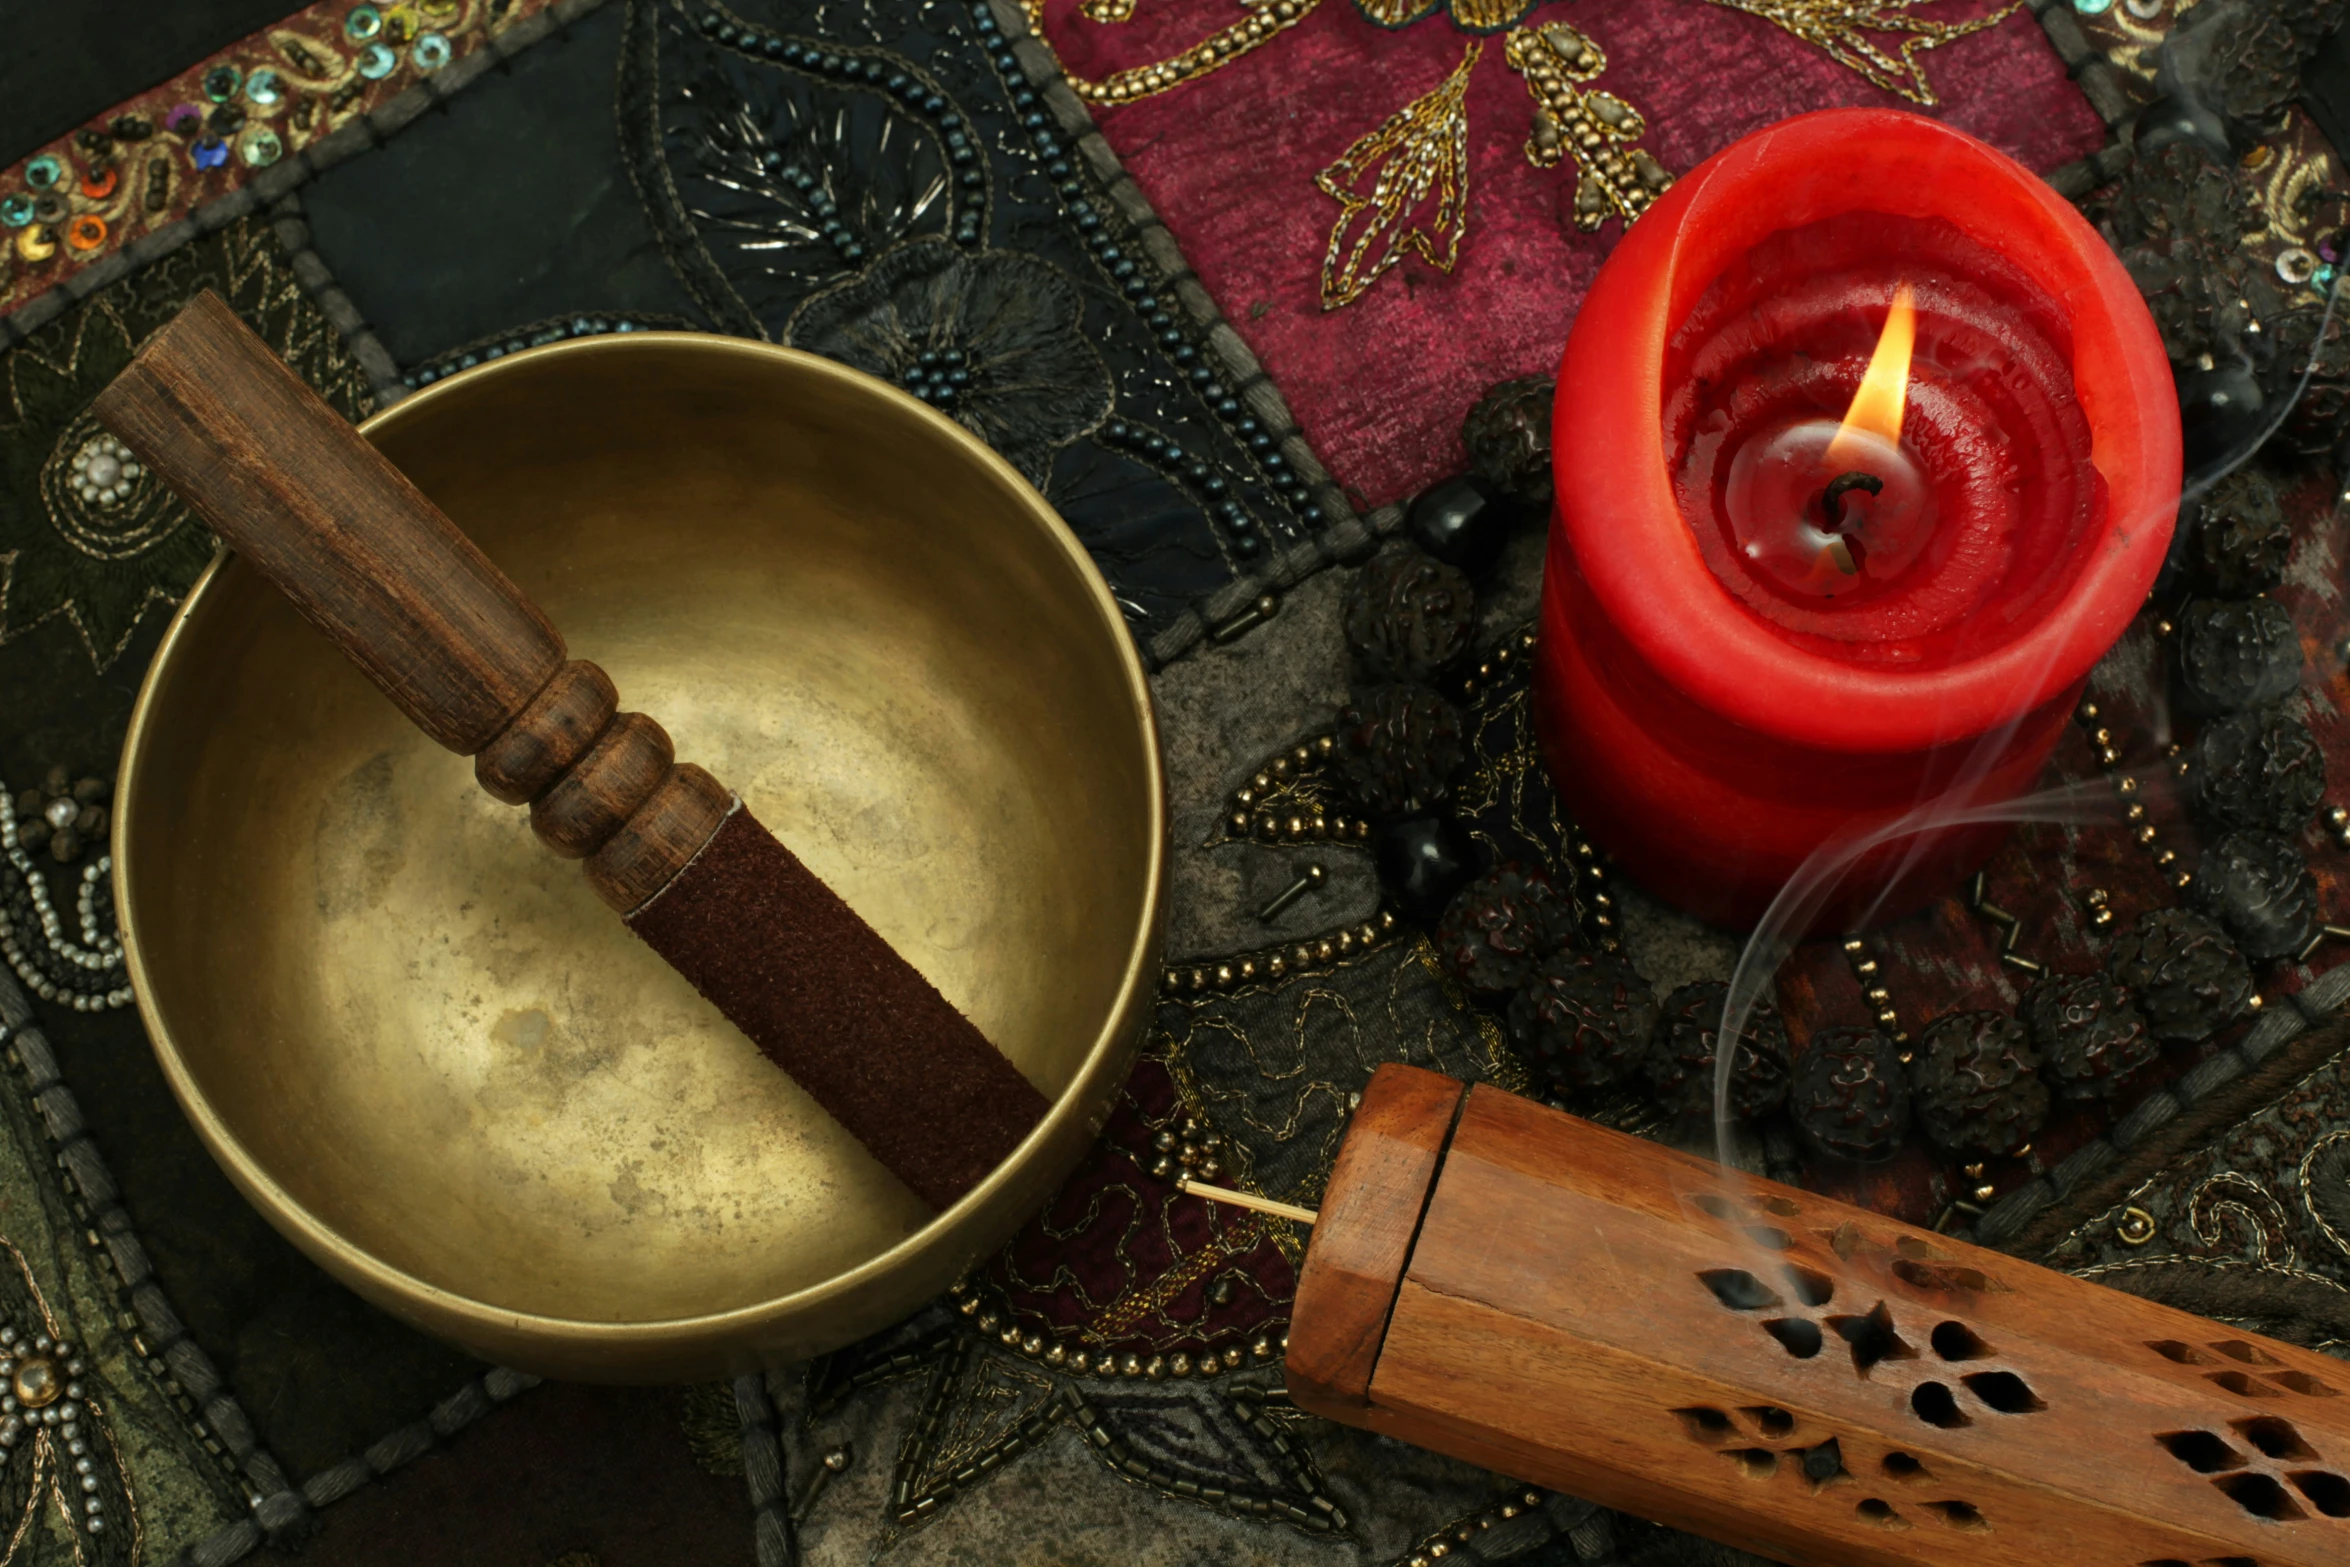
[{"x": 896, "y": 1280}]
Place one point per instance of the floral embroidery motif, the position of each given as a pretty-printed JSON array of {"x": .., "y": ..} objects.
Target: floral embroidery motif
[
  {"x": 216, "y": 125},
  {"x": 84, "y": 533},
  {"x": 1421, "y": 151},
  {"x": 1841, "y": 29},
  {"x": 63, "y": 1489},
  {"x": 991, "y": 340},
  {"x": 1471, "y": 16},
  {"x": 1598, "y": 129}
]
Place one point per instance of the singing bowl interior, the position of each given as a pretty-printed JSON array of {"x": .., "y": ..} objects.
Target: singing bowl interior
[{"x": 420, "y": 1044}]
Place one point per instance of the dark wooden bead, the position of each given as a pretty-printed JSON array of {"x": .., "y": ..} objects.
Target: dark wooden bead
[
  {"x": 586, "y": 806},
  {"x": 653, "y": 845},
  {"x": 1460, "y": 523},
  {"x": 2221, "y": 413},
  {"x": 554, "y": 731},
  {"x": 1424, "y": 860},
  {"x": 2175, "y": 117}
]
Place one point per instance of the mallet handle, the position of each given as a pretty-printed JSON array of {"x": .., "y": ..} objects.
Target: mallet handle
[{"x": 317, "y": 510}]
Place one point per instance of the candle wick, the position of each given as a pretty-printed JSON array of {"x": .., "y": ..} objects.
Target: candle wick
[
  {"x": 1842, "y": 485},
  {"x": 1844, "y": 549}
]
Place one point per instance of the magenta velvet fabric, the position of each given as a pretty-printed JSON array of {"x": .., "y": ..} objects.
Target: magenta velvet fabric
[{"x": 1379, "y": 387}]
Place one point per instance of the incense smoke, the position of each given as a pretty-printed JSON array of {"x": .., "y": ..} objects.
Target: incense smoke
[{"x": 1824, "y": 873}]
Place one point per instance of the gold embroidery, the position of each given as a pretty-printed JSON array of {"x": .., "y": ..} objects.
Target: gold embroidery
[
  {"x": 1597, "y": 128},
  {"x": 1840, "y": 27},
  {"x": 1107, "y": 11},
  {"x": 1241, "y": 1238},
  {"x": 1267, "y": 19},
  {"x": 1397, "y": 13},
  {"x": 1422, "y": 150}
]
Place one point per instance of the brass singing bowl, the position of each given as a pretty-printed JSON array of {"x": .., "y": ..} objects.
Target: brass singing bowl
[{"x": 432, "y": 1058}]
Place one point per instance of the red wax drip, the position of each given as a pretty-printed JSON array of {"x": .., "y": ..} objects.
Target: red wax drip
[{"x": 1786, "y": 335}]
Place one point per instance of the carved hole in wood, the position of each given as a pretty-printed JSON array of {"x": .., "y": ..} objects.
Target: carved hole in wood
[
  {"x": 1811, "y": 1287},
  {"x": 1904, "y": 1466},
  {"x": 1769, "y": 1419},
  {"x": 1881, "y": 1514},
  {"x": 2273, "y": 1436},
  {"x": 1823, "y": 1465},
  {"x": 2237, "y": 1382},
  {"x": 1756, "y": 1463},
  {"x": 2228, "y": 1561},
  {"x": 1727, "y": 1209},
  {"x": 1936, "y": 1405},
  {"x": 2329, "y": 1493},
  {"x": 2260, "y": 1495},
  {"x": 1780, "y": 1206},
  {"x": 2205, "y": 1452},
  {"x": 1798, "y": 1337},
  {"x": 1960, "y": 1515},
  {"x": 1769, "y": 1235},
  {"x": 1739, "y": 1290},
  {"x": 1945, "y": 1276},
  {"x": 1707, "y": 1425},
  {"x": 2303, "y": 1382},
  {"x": 2249, "y": 1354},
  {"x": 1957, "y": 1341},
  {"x": 2184, "y": 1354},
  {"x": 1872, "y": 1338},
  {"x": 2004, "y": 1391},
  {"x": 2166, "y": 1561}
]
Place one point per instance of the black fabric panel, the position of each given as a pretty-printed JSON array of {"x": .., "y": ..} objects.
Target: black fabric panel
[
  {"x": 64, "y": 62},
  {"x": 508, "y": 206}
]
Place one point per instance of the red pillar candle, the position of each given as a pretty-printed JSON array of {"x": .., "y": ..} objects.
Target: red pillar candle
[{"x": 1717, "y": 692}]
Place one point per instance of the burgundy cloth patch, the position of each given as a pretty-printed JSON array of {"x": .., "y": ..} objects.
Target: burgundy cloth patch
[
  {"x": 1379, "y": 387},
  {"x": 832, "y": 1004}
]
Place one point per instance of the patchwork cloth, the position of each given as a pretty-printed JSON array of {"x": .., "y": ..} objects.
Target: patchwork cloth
[{"x": 560, "y": 171}]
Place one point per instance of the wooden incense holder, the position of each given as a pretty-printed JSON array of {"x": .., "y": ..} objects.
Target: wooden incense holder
[
  {"x": 374, "y": 565},
  {"x": 1781, "y": 1372}
]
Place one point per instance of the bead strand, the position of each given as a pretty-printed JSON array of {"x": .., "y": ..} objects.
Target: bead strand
[
  {"x": 99, "y": 953},
  {"x": 909, "y": 88},
  {"x": 2101, "y": 740},
  {"x": 1270, "y": 964},
  {"x": 1210, "y": 488},
  {"x": 1127, "y": 276}
]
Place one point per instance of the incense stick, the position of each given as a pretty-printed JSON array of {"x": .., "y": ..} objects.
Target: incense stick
[{"x": 1279, "y": 1210}]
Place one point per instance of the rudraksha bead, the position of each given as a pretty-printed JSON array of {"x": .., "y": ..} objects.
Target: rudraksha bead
[
  {"x": 2260, "y": 887},
  {"x": 2259, "y": 770},
  {"x": 1582, "y": 1019},
  {"x": 2237, "y": 653},
  {"x": 1849, "y": 1094},
  {"x": 2090, "y": 1033},
  {"x": 1681, "y": 1053},
  {"x": 1975, "y": 1084},
  {"x": 1508, "y": 437},
  {"x": 2189, "y": 978},
  {"x": 1409, "y": 616},
  {"x": 1499, "y": 926},
  {"x": 1398, "y": 747}
]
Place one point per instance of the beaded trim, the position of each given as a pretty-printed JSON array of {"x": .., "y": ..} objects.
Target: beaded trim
[
  {"x": 224, "y": 122},
  {"x": 88, "y": 975}
]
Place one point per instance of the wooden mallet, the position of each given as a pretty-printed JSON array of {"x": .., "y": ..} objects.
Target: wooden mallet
[
  {"x": 368, "y": 560},
  {"x": 1782, "y": 1372}
]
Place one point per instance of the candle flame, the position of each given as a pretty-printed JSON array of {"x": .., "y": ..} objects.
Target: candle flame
[{"x": 1884, "y": 391}]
